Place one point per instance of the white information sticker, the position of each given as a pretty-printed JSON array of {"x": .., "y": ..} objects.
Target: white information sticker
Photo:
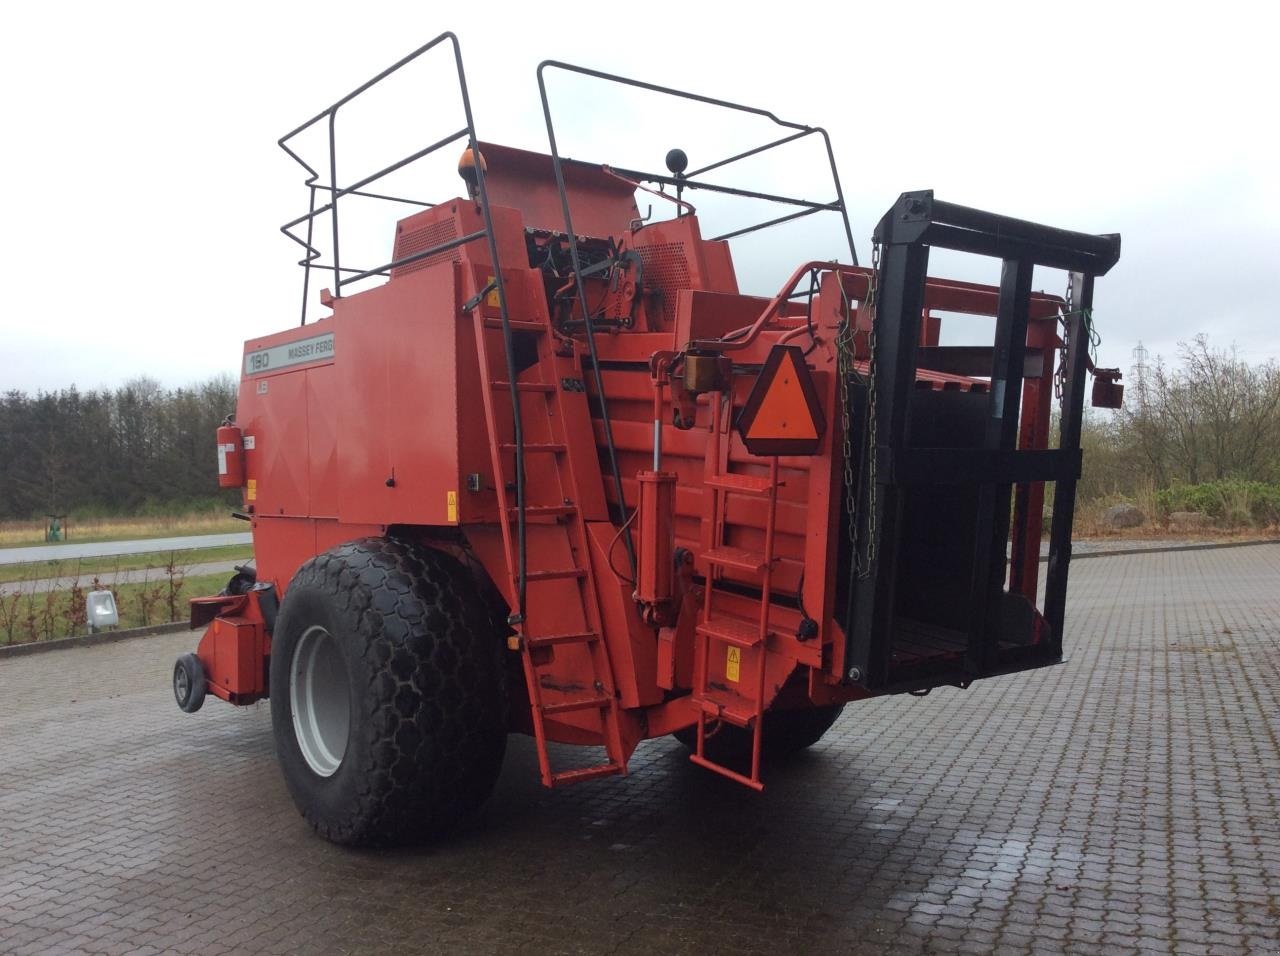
[{"x": 318, "y": 348}]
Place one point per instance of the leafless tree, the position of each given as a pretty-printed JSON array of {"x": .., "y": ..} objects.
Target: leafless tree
[{"x": 1213, "y": 416}]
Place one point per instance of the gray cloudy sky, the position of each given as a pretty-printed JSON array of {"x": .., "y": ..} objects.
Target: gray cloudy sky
[{"x": 143, "y": 189}]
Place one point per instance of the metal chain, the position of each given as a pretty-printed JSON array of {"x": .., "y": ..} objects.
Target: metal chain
[
  {"x": 845, "y": 352},
  {"x": 872, "y": 304},
  {"x": 1060, "y": 377},
  {"x": 844, "y": 369}
]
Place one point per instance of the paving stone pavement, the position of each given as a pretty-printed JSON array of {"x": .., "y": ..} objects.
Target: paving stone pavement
[{"x": 1125, "y": 801}]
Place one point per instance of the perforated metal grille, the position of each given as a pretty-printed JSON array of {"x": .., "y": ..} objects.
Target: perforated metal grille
[
  {"x": 666, "y": 269},
  {"x": 419, "y": 239}
]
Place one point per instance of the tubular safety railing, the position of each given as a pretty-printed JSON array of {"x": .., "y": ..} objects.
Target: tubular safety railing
[
  {"x": 344, "y": 275},
  {"x": 680, "y": 181}
]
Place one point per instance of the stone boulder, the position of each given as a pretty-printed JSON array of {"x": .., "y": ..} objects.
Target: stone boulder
[
  {"x": 1123, "y": 516},
  {"x": 1189, "y": 521}
]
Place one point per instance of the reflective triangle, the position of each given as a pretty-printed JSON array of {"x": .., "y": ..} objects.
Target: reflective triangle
[{"x": 784, "y": 410}]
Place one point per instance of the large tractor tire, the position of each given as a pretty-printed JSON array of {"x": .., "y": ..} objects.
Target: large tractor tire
[
  {"x": 785, "y": 732},
  {"x": 388, "y": 695}
]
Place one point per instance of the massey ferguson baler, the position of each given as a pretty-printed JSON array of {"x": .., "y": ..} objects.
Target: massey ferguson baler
[{"x": 548, "y": 470}]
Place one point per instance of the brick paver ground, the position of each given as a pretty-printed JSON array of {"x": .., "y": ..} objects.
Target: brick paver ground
[{"x": 1125, "y": 801}]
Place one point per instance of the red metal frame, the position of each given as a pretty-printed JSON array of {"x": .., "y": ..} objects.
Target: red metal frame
[
  {"x": 404, "y": 427},
  {"x": 236, "y": 647}
]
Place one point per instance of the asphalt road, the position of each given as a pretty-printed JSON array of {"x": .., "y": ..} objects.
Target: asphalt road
[
  {"x": 1126, "y": 801},
  {"x": 98, "y": 549}
]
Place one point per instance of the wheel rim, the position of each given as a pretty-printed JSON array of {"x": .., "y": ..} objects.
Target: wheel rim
[
  {"x": 320, "y": 695},
  {"x": 181, "y": 684}
]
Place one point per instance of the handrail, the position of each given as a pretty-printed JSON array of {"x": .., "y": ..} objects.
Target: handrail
[
  {"x": 330, "y": 113},
  {"x": 800, "y": 130},
  {"x": 336, "y": 192},
  {"x": 751, "y": 332}
]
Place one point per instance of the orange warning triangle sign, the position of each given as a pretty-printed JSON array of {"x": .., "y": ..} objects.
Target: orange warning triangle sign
[
  {"x": 784, "y": 410},
  {"x": 782, "y": 415}
]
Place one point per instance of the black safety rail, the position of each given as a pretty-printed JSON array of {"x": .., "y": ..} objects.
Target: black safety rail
[
  {"x": 687, "y": 180},
  {"x": 681, "y": 181},
  {"x": 345, "y": 275},
  {"x": 966, "y": 490}
]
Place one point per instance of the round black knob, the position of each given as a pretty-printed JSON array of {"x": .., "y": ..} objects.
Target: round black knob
[{"x": 677, "y": 161}]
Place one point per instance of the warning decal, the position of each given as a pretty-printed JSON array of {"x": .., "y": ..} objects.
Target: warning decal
[
  {"x": 451, "y": 505},
  {"x": 733, "y": 664},
  {"x": 782, "y": 415}
]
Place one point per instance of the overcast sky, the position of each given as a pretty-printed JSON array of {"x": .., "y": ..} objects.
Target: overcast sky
[{"x": 143, "y": 188}]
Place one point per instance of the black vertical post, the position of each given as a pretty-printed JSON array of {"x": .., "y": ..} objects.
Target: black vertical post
[
  {"x": 306, "y": 267},
  {"x": 989, "y": 562},
  {"x": 900, "y": 302},
  {"x": 1064, "y": 496},
  {"x": 333, "y": 200}
]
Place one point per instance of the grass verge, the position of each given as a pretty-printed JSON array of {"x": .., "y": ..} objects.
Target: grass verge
[
  {"x": 41, "y": 617},
  {"x": 16, "y": 534}
]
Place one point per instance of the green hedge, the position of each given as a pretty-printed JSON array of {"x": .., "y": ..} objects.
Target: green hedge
[{"x": 1232, "y": 500}]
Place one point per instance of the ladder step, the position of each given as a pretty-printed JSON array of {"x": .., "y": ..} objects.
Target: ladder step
[
  {"x": 742, "y": 484},
  {"x": 543, "y": 511},
  {"x": 557, "y": 574},
  {"x": 523, "y": 386},
  {"x": 738, "y": 716},
  {"x": 739, "y": 558},
  {"x": 585, "y": 773},
  {"x": 592, "y": 691},
  {"x": 726, "y": 772},
  {"x": 535, "y": 448},
  {"x": 517, "y": 325},
  {"x": 568, "y": 706},
  {"x": 553, "y": 640},
  {"x": 731, "y": 630}
]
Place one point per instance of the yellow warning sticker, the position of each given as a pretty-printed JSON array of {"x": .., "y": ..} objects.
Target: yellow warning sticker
[
  {"x": 733, "y": 664},
  {"x": 252, "y": 489},
  {"x": 451, "y": 505},
  {"x": 492, "y": 298}
]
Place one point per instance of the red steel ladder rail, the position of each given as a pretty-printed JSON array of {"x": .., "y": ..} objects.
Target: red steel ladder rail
[
  {"x": 532, "y": 640},
  {"x": 734, "y": 632}
]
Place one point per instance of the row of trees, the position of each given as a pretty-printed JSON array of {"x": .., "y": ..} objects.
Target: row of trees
[
  {"x": 1210, "y": 417},
  {"x": 121, "y": 451}
]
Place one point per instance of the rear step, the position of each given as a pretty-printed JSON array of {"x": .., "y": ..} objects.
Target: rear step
[
  {"x": 738, "y": 716},
  {"x": 553, "y": 640},
  {"x": 502, "y": 386},
  {"x": 516, "y": 325},
  {"x": 732, "y": 630},
  {"x": 737, "y": 558},
  {"x": 742, "y": 484},
  {"x": 723, "y": 771},
  {"x": 543, "y": 511},
  {"x": 552, "y": 448},
  {"x": 569, "y": 706},
  {"x": 563, "y": 777},
  {"x": 558, "y": 574}
]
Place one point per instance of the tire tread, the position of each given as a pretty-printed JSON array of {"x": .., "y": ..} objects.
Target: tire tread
[{"x": 434, "y": 701}]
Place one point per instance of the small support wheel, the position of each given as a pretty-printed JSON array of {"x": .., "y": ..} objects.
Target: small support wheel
[{"x": 189, "y": 683}]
